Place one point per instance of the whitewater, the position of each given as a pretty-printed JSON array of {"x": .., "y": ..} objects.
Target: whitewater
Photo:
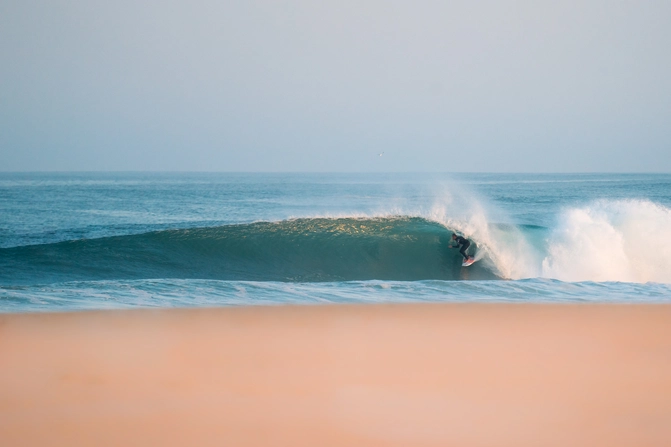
[{"x": 73, "y": 241}]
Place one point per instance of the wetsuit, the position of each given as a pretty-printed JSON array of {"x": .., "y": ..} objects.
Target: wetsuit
[{"x": 464, "y": 245}]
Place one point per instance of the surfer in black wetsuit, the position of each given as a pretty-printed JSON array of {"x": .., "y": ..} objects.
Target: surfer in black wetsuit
[{"x": 465, "y": 243}]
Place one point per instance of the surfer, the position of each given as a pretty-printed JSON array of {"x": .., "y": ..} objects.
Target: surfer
[{"x": 465, "y": 243}]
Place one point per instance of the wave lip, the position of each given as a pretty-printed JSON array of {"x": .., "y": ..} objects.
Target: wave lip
[{"x": 310, "y": 249}]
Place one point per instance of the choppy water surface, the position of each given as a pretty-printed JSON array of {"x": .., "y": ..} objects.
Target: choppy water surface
[{"x": 109, "y": 240}]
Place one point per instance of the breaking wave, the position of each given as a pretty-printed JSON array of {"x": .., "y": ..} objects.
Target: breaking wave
[{"x": 616, "y": 241}]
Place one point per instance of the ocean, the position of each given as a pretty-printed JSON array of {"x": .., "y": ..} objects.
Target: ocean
[{"x": 75, "y": 241}]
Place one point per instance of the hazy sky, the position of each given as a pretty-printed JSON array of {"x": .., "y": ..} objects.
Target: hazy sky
[{"x": 508, "y": 86}]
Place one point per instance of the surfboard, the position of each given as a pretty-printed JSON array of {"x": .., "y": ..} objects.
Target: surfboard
[{"x": 467, "y": 263}]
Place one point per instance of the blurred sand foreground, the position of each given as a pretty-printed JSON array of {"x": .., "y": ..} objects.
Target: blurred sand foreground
[{"x": 366, "y": 375}]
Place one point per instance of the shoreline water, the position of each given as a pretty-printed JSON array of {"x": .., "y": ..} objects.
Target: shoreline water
[{"x": 381, "y": 374}]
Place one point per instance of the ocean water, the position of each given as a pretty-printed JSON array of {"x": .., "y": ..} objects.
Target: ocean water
[{"x": 71, "y": 241}]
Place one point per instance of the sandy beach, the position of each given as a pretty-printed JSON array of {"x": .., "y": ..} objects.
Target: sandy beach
[{"x": 361, "y": 375}]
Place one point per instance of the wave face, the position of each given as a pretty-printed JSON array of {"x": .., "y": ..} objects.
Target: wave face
[
  {"x": 307, "y": 250},
  {"x": 611, "y": 240}
]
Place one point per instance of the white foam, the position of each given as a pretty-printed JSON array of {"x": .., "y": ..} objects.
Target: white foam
[{"x": 611, "y": 240}]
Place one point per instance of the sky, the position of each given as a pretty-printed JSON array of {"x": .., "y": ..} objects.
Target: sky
[{"x": 450, "y": 86}]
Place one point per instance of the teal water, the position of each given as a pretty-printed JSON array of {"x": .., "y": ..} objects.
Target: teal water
[{"x": 116, "y": 240}]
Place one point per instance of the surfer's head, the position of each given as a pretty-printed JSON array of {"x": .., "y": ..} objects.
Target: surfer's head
[{"x": 454, "y": 236}]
